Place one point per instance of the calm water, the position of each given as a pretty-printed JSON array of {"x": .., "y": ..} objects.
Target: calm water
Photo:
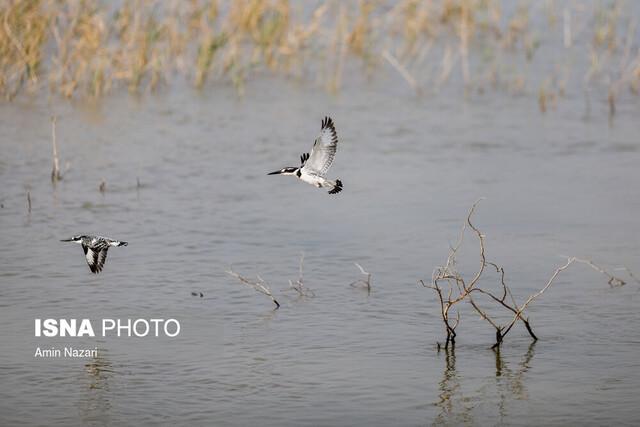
[{"x": 557, "y": 184}]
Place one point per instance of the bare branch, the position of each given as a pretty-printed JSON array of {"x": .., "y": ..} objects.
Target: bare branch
[
  {"x": 259, "y": 286},
  {"x": 363, "y": 283},
  {"x": 614, "y": 281},
  {"x": 451, "y": 288},
  {"x": 55, "y": 172},
  {"x": 298, "y": 285}
]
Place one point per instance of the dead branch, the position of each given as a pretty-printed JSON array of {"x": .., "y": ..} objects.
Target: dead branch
[
  {"x": 55, "y": 172},
  {"x": 452, "y": 288},
  {"x": 362, "y": 283},
  {"x": 298, "y": 285},
  {"x": 614, "y": 281},
  {"x": 259, "y": 286}
]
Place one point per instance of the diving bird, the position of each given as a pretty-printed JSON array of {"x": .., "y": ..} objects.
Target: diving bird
[
  {"x": 95, "y": 249},
  {"x": 313, "y": 168}
]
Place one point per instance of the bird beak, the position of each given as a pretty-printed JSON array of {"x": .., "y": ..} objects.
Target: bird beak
[
  {"x": 275, "y": 173},
  {"x": 67, "y": 240}
]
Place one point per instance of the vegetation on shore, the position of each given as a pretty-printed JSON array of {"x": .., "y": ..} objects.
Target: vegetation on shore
[{"x": 85, "y": 48}]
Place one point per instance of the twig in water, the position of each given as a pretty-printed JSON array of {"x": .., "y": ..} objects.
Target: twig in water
[
  {"x": 259, "y": 286},
  {"x": 55, "y": 172},
  {"x": 298, "y": 285},
  {"x": 613, "y": 281},
  {"x": 457, "y": 289},
  {"x": 362, "y": 283},
  {"x": 29, "y": 202}
]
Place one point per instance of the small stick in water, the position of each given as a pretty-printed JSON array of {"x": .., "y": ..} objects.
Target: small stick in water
[
  {"x": 259, "y": 286},
  {"x": 362, "y": 283},
  {"x": 298, "y": 285},
  {"x": 29, "y": 201},
  {"x": 55, "y": 172}
]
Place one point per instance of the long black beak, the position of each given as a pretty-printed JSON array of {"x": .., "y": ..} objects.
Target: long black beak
[
  {"x": 67, "y": 240},
  {"x": 275, "y": 173}
]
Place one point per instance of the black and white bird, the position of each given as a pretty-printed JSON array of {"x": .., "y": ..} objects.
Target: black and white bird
[
  {"x": 95, "y": 249},
  {"x": 314, "y": 167}
]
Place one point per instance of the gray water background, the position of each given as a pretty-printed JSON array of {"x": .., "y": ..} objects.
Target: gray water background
[{"x": 557, "y": 184}]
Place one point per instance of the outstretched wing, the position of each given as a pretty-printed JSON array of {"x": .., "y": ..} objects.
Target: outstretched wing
[
  {"x": 303, "y": 159},
  {"x": 96, "y": 257},
  {"x": 324, "y": 149}
]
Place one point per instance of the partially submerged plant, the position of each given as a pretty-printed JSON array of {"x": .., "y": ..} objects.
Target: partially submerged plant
[
  {"x": 86, "y": 49},
  {"x": 452, "y": 288},
  {"x": 362, "y": 283},
  {"x": 259, "y": 286}
]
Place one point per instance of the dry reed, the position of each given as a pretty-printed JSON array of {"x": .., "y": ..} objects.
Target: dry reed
[{"x": 88, "y": 49}]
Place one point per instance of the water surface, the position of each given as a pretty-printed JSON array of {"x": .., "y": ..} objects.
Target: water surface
[{"x": 557, "y": 184}]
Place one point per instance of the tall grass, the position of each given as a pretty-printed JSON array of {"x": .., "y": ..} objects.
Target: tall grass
[{"x": 85, "y": 48}]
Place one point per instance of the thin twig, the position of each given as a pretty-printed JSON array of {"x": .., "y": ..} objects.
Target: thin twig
[
  {"x": 55, "y": 173},
  {"x": 298, "y": 285},
  {"x": 259, "y": 286},
  {"x": 365, "y": 284}
]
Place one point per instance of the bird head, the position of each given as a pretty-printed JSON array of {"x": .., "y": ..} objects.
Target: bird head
[
  {"x": 285, "y": 171},
  {"x": 77, "y": 239}
]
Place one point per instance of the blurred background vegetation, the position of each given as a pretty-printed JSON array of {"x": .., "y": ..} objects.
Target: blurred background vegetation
[{"x": 85, "y": 48}]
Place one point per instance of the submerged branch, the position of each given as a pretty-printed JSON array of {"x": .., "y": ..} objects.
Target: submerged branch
[
  {"x": 458, "y": 290},
  {"x": 298, "y": 285},
  {"x": 55, "y": 172},
  {"x": 259, "y": 286},
  {"x": 362, "y": 283}
]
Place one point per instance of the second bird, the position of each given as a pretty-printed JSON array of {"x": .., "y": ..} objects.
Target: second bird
[
  {"x": 95, "y": 249},
  {"x": 314, "y": 167}
]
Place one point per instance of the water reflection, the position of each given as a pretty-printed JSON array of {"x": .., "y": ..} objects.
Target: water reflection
[
  {"x": 95, "y": 403},
  {"x": 456, "y": 405},
  {"x": 453, "y": 407}
]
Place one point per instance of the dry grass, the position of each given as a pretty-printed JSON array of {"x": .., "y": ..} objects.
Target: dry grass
[{"x": 88, "y": 48}]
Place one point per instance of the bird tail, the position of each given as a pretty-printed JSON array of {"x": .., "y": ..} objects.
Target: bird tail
[{"x": 337, "y": 187}]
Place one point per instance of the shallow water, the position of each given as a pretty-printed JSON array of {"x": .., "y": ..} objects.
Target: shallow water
[{"x": 557, "y": 184}]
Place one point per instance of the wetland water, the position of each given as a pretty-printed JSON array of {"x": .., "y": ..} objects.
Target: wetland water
[{"x": 556, "y": 184}]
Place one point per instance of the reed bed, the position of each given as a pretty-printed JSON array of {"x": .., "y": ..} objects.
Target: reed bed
[{"x": 84, "y": 48}]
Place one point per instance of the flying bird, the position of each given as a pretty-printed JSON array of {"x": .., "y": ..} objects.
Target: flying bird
[
  {"x": 95, "y": 249},
  {"x": 314, "y": 167}
]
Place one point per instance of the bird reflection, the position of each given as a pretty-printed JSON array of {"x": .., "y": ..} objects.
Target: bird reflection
[
  {"x": 95, "y": 405},
  {"x": 456, "y": 406}
]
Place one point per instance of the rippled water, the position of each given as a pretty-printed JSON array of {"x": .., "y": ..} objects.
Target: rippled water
[{"x": 557, "y": 184}]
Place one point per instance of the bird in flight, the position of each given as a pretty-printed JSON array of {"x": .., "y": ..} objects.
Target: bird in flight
[
  {"x": 314, "y": 167},
  {"x": 95, "y": 249}
]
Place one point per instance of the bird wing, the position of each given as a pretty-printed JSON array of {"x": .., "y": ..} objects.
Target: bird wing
[
  {"x": 303, "y": 159},
  {"x": 96, "y": 256},
  {"x": 324, "y": 149},
  {"x": 102, "y": 258}
]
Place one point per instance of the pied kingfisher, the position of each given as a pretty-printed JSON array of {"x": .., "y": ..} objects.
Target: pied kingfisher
[
  {"x": 95, "y": 249},
  {"x": 314, "y": 166}
]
